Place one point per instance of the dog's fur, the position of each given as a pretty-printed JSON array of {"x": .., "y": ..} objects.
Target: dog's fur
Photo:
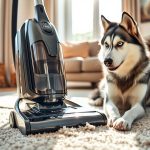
[{"x": 127, "y": 76}]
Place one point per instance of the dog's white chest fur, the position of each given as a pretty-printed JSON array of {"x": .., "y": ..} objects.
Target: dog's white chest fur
[{"x": 127, "y": 99}]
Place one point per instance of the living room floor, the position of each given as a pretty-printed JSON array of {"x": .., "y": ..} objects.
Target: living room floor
[{"x": 83, "y": 138}]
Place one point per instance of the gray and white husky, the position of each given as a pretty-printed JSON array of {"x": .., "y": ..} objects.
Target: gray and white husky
[{"x": 127, "y": 73}]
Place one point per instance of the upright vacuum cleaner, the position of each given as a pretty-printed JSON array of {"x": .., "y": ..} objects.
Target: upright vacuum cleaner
[{"x": 41, "y": 84}]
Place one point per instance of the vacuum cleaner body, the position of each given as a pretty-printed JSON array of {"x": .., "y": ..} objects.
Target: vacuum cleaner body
[
  {"x": 41, "y": 82},
  {"x": 39, "y": 62}
]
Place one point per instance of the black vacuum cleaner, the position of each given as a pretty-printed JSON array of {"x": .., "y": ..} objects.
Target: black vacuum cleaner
[{"x": 41, "y": 84}]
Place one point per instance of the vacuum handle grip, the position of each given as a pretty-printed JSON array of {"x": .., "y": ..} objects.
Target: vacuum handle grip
[
  {"x": 38, "y": 2},
  {"x": 40, "y": 12}
]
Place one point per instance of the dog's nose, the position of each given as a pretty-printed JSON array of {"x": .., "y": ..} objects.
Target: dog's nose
[{"x": 108, "y": 62}]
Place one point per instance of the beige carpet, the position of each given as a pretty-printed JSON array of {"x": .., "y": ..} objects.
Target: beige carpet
[{"x": 83, "y": 138}]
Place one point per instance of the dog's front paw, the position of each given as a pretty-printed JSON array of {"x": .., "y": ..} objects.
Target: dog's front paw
[
  {"x": 110, "y": 121},
  {"x": 96, "y": 102},
  {"x": 122, "y": 124}
]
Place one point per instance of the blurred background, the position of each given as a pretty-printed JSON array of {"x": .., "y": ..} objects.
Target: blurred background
[{"x": 79, "y": 29}]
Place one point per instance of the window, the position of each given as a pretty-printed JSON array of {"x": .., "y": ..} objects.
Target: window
[
  {"x": 112, "y": 10},
  {"x": 82, "y": 18}
]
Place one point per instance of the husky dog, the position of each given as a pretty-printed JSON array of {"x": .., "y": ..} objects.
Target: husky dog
[{"x": 127, "y": 76}]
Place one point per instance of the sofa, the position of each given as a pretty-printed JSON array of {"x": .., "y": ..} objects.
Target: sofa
[{"x": 82, "y": 63}]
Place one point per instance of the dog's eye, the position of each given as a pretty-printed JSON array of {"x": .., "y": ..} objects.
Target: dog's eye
[
  {"x": 106, "y": 45},
  {"x": 120, "y": 44}
]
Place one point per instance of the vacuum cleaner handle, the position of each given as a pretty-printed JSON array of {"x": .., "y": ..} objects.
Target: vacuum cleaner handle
[
  {"x": 38, "y": 2},
  {"x": 40, "y": 13}
]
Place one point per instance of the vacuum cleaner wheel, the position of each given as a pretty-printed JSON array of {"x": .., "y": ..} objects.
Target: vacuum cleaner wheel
[{"x": 12, "y": 120}]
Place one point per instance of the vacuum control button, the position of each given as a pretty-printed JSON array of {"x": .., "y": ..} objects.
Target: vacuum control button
[{"x": 46, "y": 27}]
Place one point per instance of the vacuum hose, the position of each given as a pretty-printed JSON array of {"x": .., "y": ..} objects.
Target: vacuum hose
[{"x": 14, "y": 25}]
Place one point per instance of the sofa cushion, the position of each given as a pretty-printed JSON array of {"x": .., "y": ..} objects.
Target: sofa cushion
[
  {"x": 94, "y": 48},
  {"x": 91, "y": 64},
  {"x": 75, "y": 50},
  {"x": 85, "y": 76},
  {"x": 73, "y": 65}
]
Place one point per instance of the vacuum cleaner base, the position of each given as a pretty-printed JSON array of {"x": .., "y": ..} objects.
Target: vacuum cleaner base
[{"x": 35, "y": 120}]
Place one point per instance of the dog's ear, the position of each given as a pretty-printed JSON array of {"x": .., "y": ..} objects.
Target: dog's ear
[
  {"x": 106, "y": 23},
  {"x": 129, "y": 24}
]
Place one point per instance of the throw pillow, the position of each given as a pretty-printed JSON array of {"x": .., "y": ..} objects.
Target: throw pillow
[{"x": 75, "y": 50}]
